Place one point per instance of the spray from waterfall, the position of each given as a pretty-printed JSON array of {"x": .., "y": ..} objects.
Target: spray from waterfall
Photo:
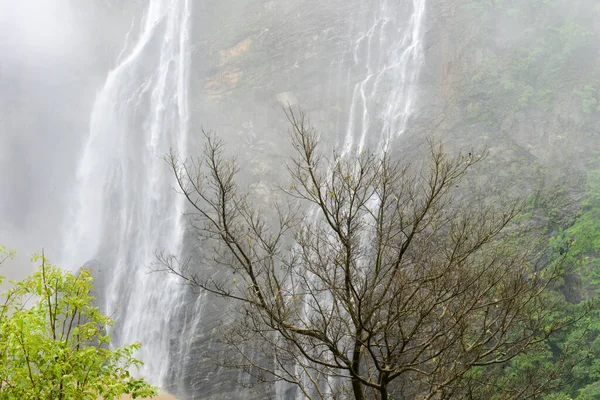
[{"x": 124, "y": 208}]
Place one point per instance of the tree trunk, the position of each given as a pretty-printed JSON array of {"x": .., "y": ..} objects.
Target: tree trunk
[
  {"x": 384, "y": 392},
  {"x": 357, "y": 389}
]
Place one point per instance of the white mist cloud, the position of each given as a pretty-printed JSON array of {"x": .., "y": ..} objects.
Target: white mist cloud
[
  {"x": 41, "y": 42},
  {"x": 34, "y": 31}
]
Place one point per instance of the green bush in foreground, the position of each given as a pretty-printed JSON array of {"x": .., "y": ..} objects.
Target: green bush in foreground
[{"x": 53, "y": 341}]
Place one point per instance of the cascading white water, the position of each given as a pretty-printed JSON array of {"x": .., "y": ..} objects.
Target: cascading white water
[
  {"x": 388, "y": 55},
  {"x": 125, "y": 208}
]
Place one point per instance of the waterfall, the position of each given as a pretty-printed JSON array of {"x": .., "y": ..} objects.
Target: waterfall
[
  {"x": 124, "y": 208},
  {"x": 387, "y": 57}
]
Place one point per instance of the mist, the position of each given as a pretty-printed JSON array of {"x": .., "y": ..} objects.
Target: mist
[
  {"x": 94, "y": 93},
  {"x": 54, "y": 57}
]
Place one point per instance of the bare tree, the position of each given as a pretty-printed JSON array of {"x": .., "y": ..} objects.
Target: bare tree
[{"x": 366, "y": 279}]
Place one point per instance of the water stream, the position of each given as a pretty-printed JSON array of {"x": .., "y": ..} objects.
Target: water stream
[
  {"x": 125, "y": 209},
  {"x": 387, "y": 56}
]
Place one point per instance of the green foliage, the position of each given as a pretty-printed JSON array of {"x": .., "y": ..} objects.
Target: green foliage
[
  {"x": 529, "y": 70},
  {"x": 589, "y": 101},
  {"x": 583, "y": 236},
  {"x": 54, "y": 345},
  {"x": 5, "y": 254},
  {"x": 536, "y": 61},
  {"x": 590, "y": 392},
  {"x": 558, "y": 396},
  {"x": 578, "y": 244}
]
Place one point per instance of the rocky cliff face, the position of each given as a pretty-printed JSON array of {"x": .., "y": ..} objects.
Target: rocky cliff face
[
  {"x": 492, "y": 76},
  {"x": 520, "y": 78},
  {"x": 251, "y": 62},
  {"x": 516, "y": 73}
]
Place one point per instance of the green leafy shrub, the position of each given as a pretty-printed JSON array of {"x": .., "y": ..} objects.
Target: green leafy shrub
[{"x": 54, "y": 345}]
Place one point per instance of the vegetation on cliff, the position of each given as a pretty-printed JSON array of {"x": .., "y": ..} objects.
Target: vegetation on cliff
[{"x": 527, "y": 82}]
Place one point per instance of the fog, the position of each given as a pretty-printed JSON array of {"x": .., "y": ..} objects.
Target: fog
[
  {"x": 520, "y": 77},
  {"x": 38, "y": 32},
  {"x": 49, "y": 71}
]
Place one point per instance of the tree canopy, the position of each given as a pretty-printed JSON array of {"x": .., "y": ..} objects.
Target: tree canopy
[{"x": 369, "y": 279}]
